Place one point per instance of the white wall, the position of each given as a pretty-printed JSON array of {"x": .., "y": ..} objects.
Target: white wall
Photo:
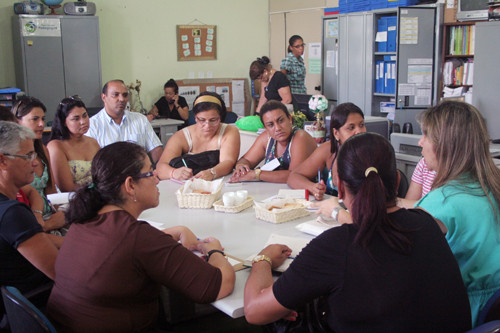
[{"x": 138, "y": 40}]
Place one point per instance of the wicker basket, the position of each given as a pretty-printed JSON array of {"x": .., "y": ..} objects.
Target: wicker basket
[
  {"x": 219, "y": 206},
  {"x": 280, "y": 216},
  {"x": 197, "y": 200}
]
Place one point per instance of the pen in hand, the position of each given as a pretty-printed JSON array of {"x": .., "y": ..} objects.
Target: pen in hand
[
  {"x": 319, "y": 175},
  {"x": 185, "y": 164}
]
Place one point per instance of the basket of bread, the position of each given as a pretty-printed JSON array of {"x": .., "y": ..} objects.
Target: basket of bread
[
  {"x": 280, "y": 210},
  {"x": 199, "y": 193}
]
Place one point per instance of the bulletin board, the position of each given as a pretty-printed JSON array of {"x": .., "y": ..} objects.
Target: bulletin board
[
  {"x": 234, "y": 91},
  {"x": 196, "y": 42}
]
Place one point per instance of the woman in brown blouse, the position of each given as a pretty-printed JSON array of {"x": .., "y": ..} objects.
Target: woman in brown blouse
[{"x": 111, "y": 266}]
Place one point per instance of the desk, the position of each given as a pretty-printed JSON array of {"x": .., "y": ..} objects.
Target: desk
[
  {"x": 167, "y": 127},
  {"x": 241, "y": 235}
]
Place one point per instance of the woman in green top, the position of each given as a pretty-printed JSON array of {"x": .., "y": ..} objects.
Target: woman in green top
[{"x": 465, "y": 194}]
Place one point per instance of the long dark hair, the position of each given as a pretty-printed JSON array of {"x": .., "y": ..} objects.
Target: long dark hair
[
  {"x": 200, "y": 105},
  {"x": 23, "y": 107},
  {"x": 110, "y": 168},
  {"x": 337, "y": 120},
  {"x": 292, "y": 40},
  {"x": 374, "y": 191},
  {"x": 257, "y": 67},
  {"x": 59, "y": 129}
]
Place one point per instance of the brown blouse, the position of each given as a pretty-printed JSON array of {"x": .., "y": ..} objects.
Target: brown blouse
[{"x": 109, "y": 271}]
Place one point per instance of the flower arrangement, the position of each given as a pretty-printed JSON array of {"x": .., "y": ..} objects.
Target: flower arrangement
[
  {"x": 298, "y": 119},
  {"x": 318, "y": 104}
]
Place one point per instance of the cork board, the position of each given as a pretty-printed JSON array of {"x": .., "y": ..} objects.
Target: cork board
[{"x": 196, "y": 42}]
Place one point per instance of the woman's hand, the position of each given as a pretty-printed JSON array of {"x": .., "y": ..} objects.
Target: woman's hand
[
  {"x": 188, "y": 239},
  {"x": 176, "y": 100},
  {"x": 318, "y": 190},
  {"x": 239, "y": 177},
  {"x": 326, "y": 206},
  {"x": 205, "y": 175},
  {"x": 277, "y": 253},
  {"x": 208, "y": 244},
  {"x": 182, "y": 173}
]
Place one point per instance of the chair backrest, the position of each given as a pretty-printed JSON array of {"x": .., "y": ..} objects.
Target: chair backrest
[
  {"x": 403, "y": 185},
  {"x": 491, "y": 310},
  {"x": 491, "y": 327},
  {"x": 23, "y": 316}
]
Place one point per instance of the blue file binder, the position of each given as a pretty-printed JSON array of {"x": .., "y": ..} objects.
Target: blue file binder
[
  {"x": 382, "y": 27},
  {"x": 392, "y": 25}
]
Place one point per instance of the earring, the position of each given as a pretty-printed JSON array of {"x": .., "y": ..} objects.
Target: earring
[{"x": 135, "y": 199}]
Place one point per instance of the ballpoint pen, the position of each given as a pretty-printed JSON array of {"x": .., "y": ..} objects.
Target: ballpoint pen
[
  {"x": 319, "y": 175},
  {"x": 185, "y": 164}
]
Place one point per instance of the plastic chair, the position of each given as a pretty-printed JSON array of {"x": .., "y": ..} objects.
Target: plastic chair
[
  {"x": 23, "y": 316},
  {"x": 491, "y": 310},
  {"x": 490, "y": 327}
]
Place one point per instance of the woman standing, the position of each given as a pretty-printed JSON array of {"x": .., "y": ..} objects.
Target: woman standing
[
  {"x": 282, "y": 142},
  {"x": 346, "y": 120},
  {"x": 111, "y": 266},
  {"x": 293, "y": 65},
  {"x": 466, "y": 194},
  {"x": 273, "y": 84},
  {"x": 207, "y": 150},
  {"x": 71, "y": 152},
  {"x": 389, "y": 271},
  {"x": 30, "y": 112}
]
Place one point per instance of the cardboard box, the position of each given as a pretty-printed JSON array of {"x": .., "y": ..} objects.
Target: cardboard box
[{"x": 450, "y": 13}]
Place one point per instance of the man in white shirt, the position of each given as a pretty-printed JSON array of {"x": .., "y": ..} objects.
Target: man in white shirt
[{"x": 114, "y": 124}]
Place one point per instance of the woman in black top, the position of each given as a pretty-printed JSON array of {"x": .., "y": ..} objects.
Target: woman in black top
[
  {"x": 390, "y": 271},
  {"x": 274, "y": 84},
  {"x": 171, "y": 105}
]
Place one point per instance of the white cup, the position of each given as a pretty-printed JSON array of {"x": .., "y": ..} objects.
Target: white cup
[
  {"x": 241, "y": 196},
  {"x": 229, "y": 199}
]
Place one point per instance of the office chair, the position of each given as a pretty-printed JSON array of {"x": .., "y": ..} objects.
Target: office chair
[
  {"x": 491, "y": 310},
  {"x": 23, "y": 316},
  {"x": 490, "y": 327}
]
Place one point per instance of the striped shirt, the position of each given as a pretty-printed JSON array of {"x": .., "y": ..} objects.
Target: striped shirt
[
  {"x": 295, "y": 72},
  {"x": 134, "y": 127},
  {"x": 423, "y": 176}
]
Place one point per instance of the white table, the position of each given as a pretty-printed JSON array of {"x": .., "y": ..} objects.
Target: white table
[
  {"x": 167, "y": 127},
  {"x": 241, "y": 235}
]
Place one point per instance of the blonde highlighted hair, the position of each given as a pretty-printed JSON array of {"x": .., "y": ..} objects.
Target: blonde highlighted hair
[{"x": 462, "y": 147}]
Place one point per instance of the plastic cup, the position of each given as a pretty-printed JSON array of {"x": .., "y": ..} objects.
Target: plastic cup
[
  {"x": 229, "y": 199},
  {"x": 241, "y": 196}
]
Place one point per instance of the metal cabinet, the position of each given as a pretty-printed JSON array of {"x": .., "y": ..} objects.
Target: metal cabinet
[{"x": 56, "y": 57}]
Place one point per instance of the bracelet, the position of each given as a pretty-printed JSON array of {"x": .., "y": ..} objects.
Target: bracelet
[
  {"x": 214, "y": 174},
  {"x": 214, "y": 251},
  {"x": 172, "y": 173},
  {"x": 37, "y": 211}
]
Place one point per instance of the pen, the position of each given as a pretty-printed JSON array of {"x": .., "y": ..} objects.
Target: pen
[
  {"x": 319, "y": 175},
  {"x": 307, "y": 194},
  {"x": 185, "y": 164}
]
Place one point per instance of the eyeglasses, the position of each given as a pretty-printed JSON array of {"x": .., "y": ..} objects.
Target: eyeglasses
[
  {"x": 210, "y": 122},
  {"x": 299, "y": 46},
  {"x": 29, "y": 156},
  {"x": 146, "y": 174}
]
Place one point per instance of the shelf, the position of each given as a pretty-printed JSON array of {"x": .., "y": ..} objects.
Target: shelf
[
  {"x": 384, "y": 95},
  {"x": 459, "y": 85},
  {"x": 448, "y": 56},
  {"x": 385, "y": 53}
]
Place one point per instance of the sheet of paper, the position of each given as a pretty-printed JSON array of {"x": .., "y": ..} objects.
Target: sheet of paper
[
  {"x": 238, "y": 91},
  {"x": 409, "y": 30},
  {"x": 271, "y": 165},
  {"x": 224, "y": 92},
  {"x": 189, "y": 93}
]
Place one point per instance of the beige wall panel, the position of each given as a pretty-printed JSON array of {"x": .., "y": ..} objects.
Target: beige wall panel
[
  {"x": 138, "y": 40},
  {"x": 285, "y": 5},
  {"x": 278, "y": 40}
]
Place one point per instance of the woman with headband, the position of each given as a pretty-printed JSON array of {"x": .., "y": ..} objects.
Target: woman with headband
[
  {"x": 207, "y": 150},
  {"x": 273, "y": 84},
  {"x": 389, "y": 271}
]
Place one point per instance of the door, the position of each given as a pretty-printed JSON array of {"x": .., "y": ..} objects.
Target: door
[{"x": 330, "y": 57}]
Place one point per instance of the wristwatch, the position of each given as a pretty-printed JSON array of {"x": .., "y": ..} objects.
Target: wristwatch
[
  {"x": 335, "y": 213},
  {"x": 262, "y": 257},
  {"x": 257, "y": 173}
]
